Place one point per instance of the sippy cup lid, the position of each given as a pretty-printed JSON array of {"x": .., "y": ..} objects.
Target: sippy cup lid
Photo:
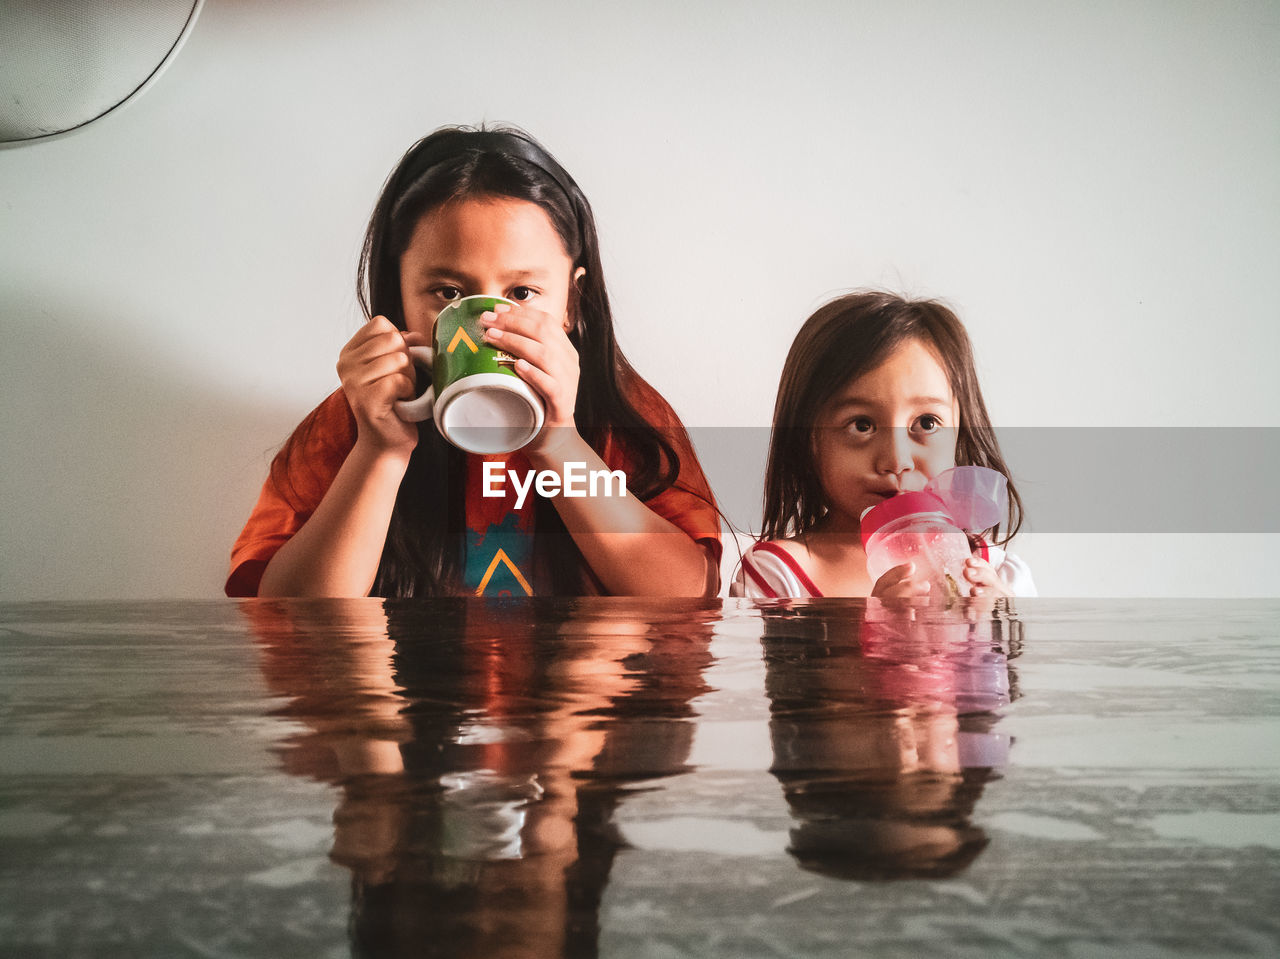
[
  {"x": 904, "y": 504},
  {"x": 975, "y": 496}
]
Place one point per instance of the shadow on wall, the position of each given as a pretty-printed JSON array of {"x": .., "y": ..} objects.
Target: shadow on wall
[
  {"x": 123, "y": 479},
  {"x": 733, "y": 459}
]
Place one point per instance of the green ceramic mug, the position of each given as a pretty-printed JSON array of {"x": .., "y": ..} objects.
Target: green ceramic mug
[{"x": 477, "y": 399}]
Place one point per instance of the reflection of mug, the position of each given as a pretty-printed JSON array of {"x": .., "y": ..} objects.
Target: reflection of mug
[{"x": 478, "y": 401}]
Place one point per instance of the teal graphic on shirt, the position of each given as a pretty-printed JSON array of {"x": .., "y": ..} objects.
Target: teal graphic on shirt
[{"x": 498, "y": 560}]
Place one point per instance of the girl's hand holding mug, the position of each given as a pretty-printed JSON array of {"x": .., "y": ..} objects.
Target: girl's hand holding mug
[
  {"x": 376, "y": 370},
  {"x": 545, "y": 358}
]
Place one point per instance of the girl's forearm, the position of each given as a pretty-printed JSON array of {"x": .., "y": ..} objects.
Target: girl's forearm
[
  {"x": 337, "y": 550},
  {"x": 631, "y": 549}
]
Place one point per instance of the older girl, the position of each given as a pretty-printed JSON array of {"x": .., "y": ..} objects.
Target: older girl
[{"x": 359, "y": 501}]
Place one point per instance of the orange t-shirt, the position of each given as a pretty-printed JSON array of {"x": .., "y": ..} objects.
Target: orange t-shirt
[{"x": 290, "y": 495}]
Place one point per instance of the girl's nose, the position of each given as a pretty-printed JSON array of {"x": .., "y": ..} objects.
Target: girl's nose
[{"x": 895, "y": 454}]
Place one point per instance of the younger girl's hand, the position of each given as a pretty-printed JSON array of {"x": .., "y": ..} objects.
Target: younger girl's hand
[
  {"x": 376, "y": 370},
  {"x": 902, "y": 582},
  {"x": 983, "y": 579},
  {"x": 545, "y": 359}
]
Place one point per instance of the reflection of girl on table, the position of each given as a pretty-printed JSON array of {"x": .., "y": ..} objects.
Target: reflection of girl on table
[
  {"x": 884, "y": 734},
  {"x": 359, "y": 501},
  {"x": 478, "y": 779},
  {"x": 878, "y": 395}
]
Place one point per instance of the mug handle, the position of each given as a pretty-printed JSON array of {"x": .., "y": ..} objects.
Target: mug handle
[{"x": 418, "y": 409}]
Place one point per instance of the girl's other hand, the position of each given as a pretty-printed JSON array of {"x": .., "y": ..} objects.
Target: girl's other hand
[
  {"x": 545, "y": 358},
  {"x": 902, "y": 582},
  {"x": 376, "y": 370},
  {"x": 983, "y": 579}
]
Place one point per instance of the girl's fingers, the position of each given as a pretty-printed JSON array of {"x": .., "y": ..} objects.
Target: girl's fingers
[
  {"x": 376, "y": 327},
  {"x": 383, "y": 367},
  {"x": 986, "y": 581},
  {"x": 380, "y": 328},
  {"x": 519, "y": 346},
  {"x": 979, "y": 571},
  {"x": 907, "y": 590},
  {"x": 376, "y": 370},
  {"x": 375, "y": 366},
  {"x": 545, "y": 357},
  {"x": 367, "y": 367},
  {"x": 546, "y": 361},
  {"x": 535, "y": 341},
  {"x": 541, "y": 381},
  {"x": 527, "y": 322},
  {"x": 357, "y": 353},
  {"x": 900, "y": 583},
  {"x": 379, "y": 350},
  {"x": 540, "y": 367},
  {"x": 530, "y": 335},
  {"x": 899, "y": 573}
]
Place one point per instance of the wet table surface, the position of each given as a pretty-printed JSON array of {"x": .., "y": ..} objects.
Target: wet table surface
[{"x": 622, "y": 778}]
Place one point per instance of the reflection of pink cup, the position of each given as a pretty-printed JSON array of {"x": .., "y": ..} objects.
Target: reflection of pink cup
[{"x": 976, "y": 497}]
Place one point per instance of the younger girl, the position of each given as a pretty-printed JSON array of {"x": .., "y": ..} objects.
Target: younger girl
[
  {"x": 359, "y": 501},
  {"x": 878, "y": 395}
]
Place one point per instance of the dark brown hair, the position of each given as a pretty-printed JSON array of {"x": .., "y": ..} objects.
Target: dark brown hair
[{"x": 843, "y": 340}]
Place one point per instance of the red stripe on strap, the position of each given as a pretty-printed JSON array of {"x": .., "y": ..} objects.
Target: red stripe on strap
[
  {"x": 759, "y": 580},
  {"x": 790, "y": 562},
  {"x": 983, "y": 553}
]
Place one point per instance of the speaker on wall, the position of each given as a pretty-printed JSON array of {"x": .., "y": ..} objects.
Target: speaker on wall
[{"x": 66, "y": 63}]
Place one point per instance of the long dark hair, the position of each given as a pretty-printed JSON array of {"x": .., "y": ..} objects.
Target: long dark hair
[
  {"x": 424, "y": 546},
  {"x": 844, "y": 339}
]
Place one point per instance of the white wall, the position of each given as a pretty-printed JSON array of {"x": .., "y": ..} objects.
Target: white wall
[{"x": 1093, "y": 186}]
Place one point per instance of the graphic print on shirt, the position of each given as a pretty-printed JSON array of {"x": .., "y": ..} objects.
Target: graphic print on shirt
[{"x": 495, "y": 556}]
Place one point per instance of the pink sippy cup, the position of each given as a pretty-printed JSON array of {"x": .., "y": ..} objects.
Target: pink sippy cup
[
  {"x": 928, "y": 528},
  {"x": 916, "y": 528}
]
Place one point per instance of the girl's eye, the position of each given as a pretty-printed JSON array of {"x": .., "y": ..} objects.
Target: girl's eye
[
  {"x": 861, "y": 425},
  {"x": 448, "y": 292},
  {"x": 928, "y": 423},
  {"x": 522, "y": 293}
]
